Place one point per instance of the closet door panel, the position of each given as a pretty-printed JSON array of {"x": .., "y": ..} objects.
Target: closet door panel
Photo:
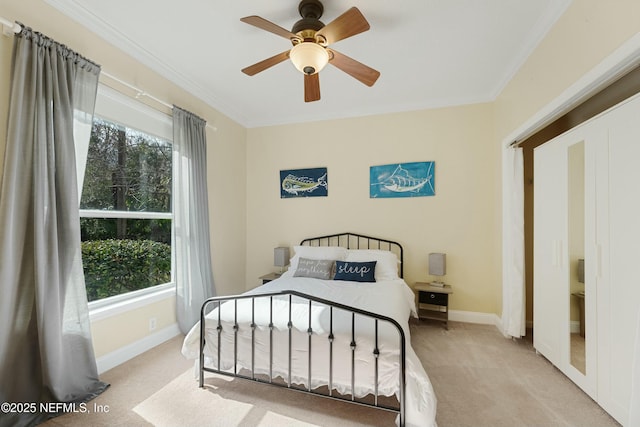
[
  {"x": 623, "y": 258},
  {"x": 549, "y": 248}
]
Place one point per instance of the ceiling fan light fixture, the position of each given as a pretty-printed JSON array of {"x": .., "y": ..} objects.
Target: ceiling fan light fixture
[{"x": 309, "y": 57}]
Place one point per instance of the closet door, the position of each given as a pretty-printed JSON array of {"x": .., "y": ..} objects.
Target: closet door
[
  {"x": 550, "y": 231},
  {"x": 618, "y": 230},
  {"x": 564, "y": 302}
]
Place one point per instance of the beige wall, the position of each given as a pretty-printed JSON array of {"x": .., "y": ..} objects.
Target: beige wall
[
  {"x": 460, "y": 220},
  {"x": 588, "y": 32},
  {"x": 226, "y": 158},
  {"x": 116, "y": 332}
]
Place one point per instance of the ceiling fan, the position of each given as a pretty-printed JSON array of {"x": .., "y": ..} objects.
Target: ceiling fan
[{"x": 310, "y": 39}]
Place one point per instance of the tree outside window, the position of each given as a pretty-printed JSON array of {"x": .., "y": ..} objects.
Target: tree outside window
[{"x": 125, "y": 211}]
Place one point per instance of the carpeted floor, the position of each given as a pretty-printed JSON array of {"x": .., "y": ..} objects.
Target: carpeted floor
[{"x": 479, "y": 377}]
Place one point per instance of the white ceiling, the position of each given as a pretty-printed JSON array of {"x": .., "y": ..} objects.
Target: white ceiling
[{"x": 430, "y": 53}]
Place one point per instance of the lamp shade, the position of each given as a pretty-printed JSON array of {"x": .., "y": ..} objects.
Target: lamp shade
[
  {"x": 309, "y": 57},
  {"x": 437, "y": 264},
  {"x": 280, "y": 256}
]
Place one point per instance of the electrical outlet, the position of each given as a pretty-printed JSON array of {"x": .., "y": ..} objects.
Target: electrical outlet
[{"x": 152, "y": 324}]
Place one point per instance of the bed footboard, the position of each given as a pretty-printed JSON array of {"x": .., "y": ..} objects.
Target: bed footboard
[{"x": 249, "y": 373}]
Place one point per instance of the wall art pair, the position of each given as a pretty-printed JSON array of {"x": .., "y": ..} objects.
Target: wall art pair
[{"x": 414, "y": 179}]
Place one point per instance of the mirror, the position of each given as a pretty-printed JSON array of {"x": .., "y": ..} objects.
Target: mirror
[{"x": 576, "y": 225}]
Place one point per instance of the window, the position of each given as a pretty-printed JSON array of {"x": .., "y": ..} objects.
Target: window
[{"x": 125, "y": 208}]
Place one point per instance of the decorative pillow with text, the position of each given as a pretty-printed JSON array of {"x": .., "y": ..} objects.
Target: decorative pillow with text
[
  {"x": 316, "y": 268},
  {"x": 387, "y": 266},
  {"x": 356, "y": 271}
]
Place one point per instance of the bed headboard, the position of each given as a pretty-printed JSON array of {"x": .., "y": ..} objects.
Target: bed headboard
[{"x": 358, "y": 241}]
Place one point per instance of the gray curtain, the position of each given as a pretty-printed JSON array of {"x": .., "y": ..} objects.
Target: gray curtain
[
  {"x": 46, "y": 352},
  {"x": 193, "y": 272}
]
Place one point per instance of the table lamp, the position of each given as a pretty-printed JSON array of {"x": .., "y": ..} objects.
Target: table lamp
[
  {"x": 281, "y": 257},
  {"x": 437, "y": 267}
]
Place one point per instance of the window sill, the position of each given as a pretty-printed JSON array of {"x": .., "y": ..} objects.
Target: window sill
[{"x": 112, "y": 306}]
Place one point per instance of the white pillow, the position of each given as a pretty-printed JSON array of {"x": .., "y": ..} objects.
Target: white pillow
[
  {"x": 387, "y": 266},
  {"x": 334, "y": 253}
]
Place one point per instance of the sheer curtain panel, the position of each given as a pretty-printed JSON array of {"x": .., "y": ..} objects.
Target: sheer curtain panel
[
  {"x": 513, "y": 287},
  {"x": 46, "y": 352},
  {"x": 193, "y": 273}
]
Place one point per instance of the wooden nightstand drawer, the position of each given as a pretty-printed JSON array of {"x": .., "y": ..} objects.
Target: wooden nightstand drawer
[
  {"x": 433, "y": 298},
  {"x": 433, "y": 302}
]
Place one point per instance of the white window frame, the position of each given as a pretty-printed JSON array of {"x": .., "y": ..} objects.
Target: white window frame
[{"x": 115, "y": 107}]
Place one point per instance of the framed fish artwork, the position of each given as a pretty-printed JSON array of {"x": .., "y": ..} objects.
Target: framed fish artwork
[
  {"x": 303, "y": 183},
  {"x": 415, "y": 179}
]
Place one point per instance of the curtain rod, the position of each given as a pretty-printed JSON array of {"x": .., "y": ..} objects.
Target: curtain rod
[
  {"x": 13, "y": 27},
  {"x": 140, "y": 93},
  {"x": 9, "y": 27}
]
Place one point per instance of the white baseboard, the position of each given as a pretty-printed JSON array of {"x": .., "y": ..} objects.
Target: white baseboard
[
  {"x": 475, "y": 317},
  {"x": 123, "y": 354}
]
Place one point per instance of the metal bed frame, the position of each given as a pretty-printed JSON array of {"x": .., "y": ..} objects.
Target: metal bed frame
[{"x": 350, "y": 241}]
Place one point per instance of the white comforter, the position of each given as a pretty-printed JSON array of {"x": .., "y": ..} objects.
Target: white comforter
[{"x": 391, "y": 298}]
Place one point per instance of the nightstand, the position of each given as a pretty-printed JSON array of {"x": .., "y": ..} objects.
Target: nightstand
[
  {"x": 269, "y": 277},
  {"x": 433, "y": 302}
]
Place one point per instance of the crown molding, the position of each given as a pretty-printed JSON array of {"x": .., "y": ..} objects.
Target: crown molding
[{"x": 75, "y": 10}]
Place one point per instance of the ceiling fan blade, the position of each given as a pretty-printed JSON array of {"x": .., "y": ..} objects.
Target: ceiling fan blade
[
  {"x": 267, "y": 63},
  {"x": 348, "y": 24},
  {"x": 263, "y": 24},
  {"x": 311, "y": 87},
  {"x": 355, "y": 69}
]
